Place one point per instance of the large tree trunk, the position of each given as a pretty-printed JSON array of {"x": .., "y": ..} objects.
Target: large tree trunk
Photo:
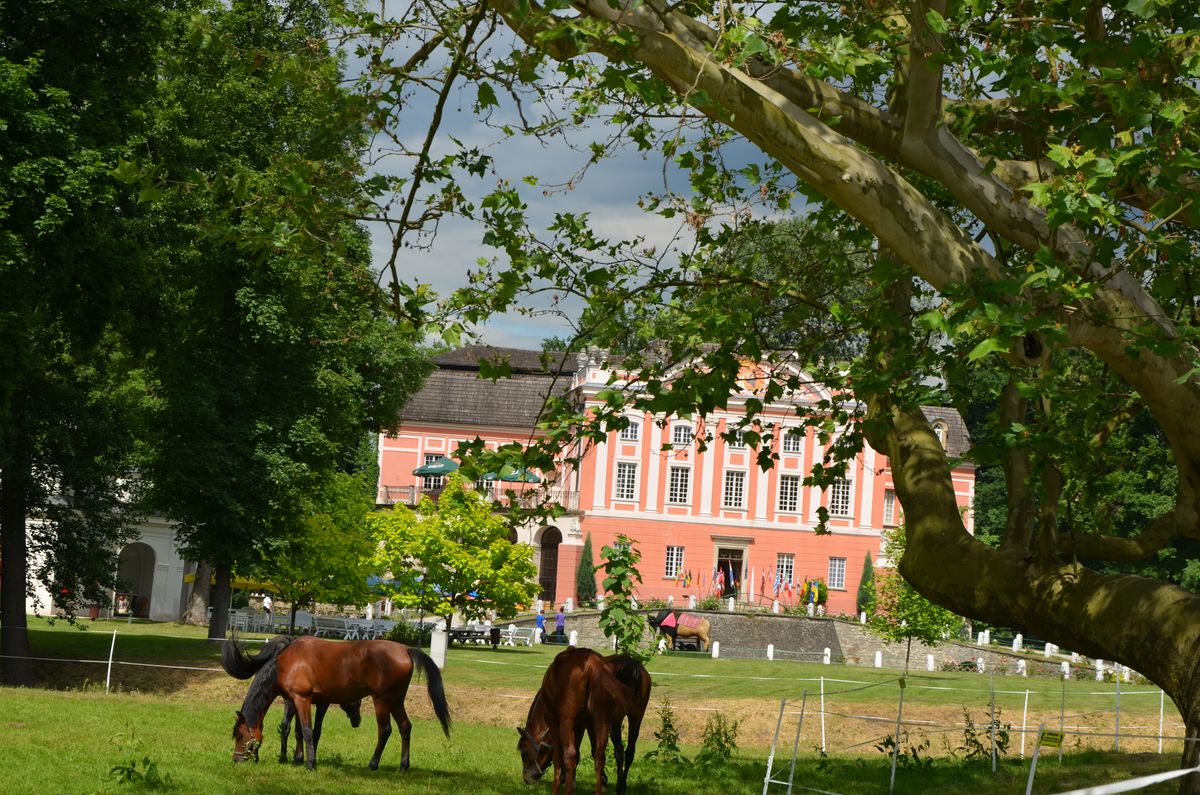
[
  {"x": 219, "y": 624},
  {"x": 198, "y": 600},
  {"x": 1151, "y": 626},
  {"x": 14, "y": 568}
]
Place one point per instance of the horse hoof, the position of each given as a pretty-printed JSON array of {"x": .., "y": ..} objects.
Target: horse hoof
[{"x": 372, "y": 765}]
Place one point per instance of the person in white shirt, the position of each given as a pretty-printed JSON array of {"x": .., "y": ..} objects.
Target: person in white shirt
[{"x": 267, "y": 603}]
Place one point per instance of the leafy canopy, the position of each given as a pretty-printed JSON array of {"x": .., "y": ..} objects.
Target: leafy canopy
[{"x": 453, "y": 555}]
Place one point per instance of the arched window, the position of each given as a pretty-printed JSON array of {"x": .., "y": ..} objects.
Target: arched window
[{"x": 941, "y": 431}]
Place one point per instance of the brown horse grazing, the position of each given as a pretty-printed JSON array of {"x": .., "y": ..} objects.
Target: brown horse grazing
[
  {"x": 583, "y": 691},
  {"x": 533, "y": 737},
  {"x": 313, "y": 670},
  {"x": 353, "y": 710}
]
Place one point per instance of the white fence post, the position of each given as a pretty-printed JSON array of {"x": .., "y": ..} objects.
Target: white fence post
[
  {"x": 775, "y": 606},
  {"x": 878, "y": 659},
  {"x": 570, "y": 604},
  {"x": 716, "y": 649},
  {"x": 438, "y": 641},
  {"x": 770, "y": 651},
  {"x": 692, "y": 602},
  {"x": 862, "y": 617},
  {"x": 574, "y": 638},
  {"x": 113, "y": 647},
  {"x": 823, "y": 713},
  {"x": 731, "y": 604},
  {"x": 1024, "y": 715},
  {"x": 827, "y": 657},
  {"x": 928, "y": 662}
]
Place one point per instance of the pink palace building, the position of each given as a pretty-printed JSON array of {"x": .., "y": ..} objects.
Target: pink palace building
[{"x": 706, "y": 523}]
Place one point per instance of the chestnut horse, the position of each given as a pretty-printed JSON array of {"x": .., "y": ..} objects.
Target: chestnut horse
[
  {"x": 313, "y": 670},
  {"x": 583, "y": 691}
]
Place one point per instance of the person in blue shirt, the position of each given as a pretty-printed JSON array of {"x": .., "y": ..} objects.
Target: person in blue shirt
[{"x": 541, "y": 626}]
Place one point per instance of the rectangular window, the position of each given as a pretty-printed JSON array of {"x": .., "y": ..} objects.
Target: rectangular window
[
  {"x": 679, "y": 487},
  {"x": 626, "y": 481},
  {"x": 793, "y": 440},
  {"x": 738, "y": 440},
  {"x": 681, "y": 435},
  {"x": 735, "y": 489},
  {"x": 889, "y": 507},
  {"x": 674, "y": 561},
  {"x": 785, "y": 568},
  {"x": 432, "y": 482},
  {"x": 789, "y": 492},
  {"x": 837, "y": 573},
  {"x": 631, "y": 431},
  {"x": 839, "y": 498}
]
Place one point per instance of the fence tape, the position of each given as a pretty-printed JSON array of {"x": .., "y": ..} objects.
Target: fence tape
[{"x": 1133, "y": 783}]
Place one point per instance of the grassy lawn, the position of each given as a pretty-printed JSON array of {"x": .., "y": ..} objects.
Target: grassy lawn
[{"x": 67, "y": 740}]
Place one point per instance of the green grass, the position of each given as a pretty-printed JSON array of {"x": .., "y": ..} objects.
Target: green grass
[{"x": 67, "y": 740}]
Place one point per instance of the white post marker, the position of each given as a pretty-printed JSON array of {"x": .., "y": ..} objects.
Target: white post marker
[
  {"x": 574, "y": 637},
  {"x": 823, "y": 713},
  {"x": 810, "y": 609},
  {"x": 692, "y": 602},
  {"x": 716, "y": 649},
  {"x": 570, "y": 604},
  {"x": 1022, "y": 668},
  {"x": 540, "y": 605},
  {"x": 879, "y": 660},
  {"x": 1099, "y": 670},
  {"x": 1024, "y": 716},
  {"x": 1018, "y": 642},
  {"x": 731, "y": 604},
  {"x": 862, "y": 617},
  {"x": 1117, "y": 729},
  {"x": 928, "y": 662},
  {"x": 438, "y": 641},
  {"x": 827, "y": 657},
  {"x": 896, "y": 747},
  {"x": 770, "y": 651},
  {"x": 980, "y": 640},
  {"x": 670, "y": 600},
  {"x": 980, "y": 665},
  {"x": 600, "y": 602},
  {"x": 113, "y": 647},
  {"x": 774, "y": 605}
]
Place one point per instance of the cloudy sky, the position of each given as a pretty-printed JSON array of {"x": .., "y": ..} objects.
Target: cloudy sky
[{"x": 609, "y": 192}]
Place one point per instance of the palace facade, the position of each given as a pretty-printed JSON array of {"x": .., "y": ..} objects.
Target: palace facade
[{"x": 707, "y": 522}]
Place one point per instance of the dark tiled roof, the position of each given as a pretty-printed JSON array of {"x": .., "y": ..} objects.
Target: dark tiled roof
[
  {"x": 958, "y": 441},
  {"x": 454, "y": 393}
]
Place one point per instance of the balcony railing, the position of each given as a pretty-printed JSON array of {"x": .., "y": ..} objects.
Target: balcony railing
[{"x": 411, "y": 495}]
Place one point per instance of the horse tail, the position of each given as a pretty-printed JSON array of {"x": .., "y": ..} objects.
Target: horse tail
[
  {"x": 240, "y": 665},
  {"x": 433, "y": 683},
  {"x": 628, "y": 672}
]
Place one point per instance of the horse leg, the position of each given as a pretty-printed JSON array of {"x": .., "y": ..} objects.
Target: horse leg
[
  {"x": 622, "y": 754},
  {"x": 383, "y": 720},
  {"x": 405, "y": 725},
  {"x": 601, "y": 729},
  {"x": 635, "y": 726},
  {"x": 321, "y": 709},
  {"x": 592, "y": 739},
  {"x": 304, "y": 713},
  {"x": 569, "y": 755},
  {"x": 285, "y": 729}
]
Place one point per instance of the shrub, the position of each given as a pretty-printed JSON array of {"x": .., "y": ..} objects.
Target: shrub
[
  {"x": 667, "y": 750},
  {"x": 718, "y": 741},
  {"x": 410, "y": 634},
  {"x": 709, "y": 603}
]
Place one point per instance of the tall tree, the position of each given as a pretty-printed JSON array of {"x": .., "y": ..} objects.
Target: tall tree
[
  {"x": 1031, "y": 182},
  {"x": 585, "y": 573},
  {"x": 273, "y": 356},
  {"x": 70, "y": 108},
  {"x": 453, "y": 556}
]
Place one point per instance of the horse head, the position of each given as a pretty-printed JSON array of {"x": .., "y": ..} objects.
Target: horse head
[
  {"x": 246, "y": 739},
  {"x": 535, "y": 754},
  {"x": 656, "y": 620}
]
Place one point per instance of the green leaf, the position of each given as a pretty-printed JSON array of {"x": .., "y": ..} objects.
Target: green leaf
[{"x": 990, "y": 345}]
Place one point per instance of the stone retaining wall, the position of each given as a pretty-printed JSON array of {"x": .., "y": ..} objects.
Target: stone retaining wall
[{"x": 746, "y": 635}]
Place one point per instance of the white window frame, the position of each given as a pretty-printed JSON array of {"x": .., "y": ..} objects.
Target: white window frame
[
  {"x": 942, "y": 431},
  {"x": 676, "y": 437},
  {"x": 795, "y": 435},
  {"x": 432, "y": 482},
  {"x": 620, "y": 492},
  {"x": 785, "y": 567},
  {"x": 837, "y": 574},
  {"x": 674, "y": 563},
  {"x": 789, "y": 495},
  {"x": 739, "y": 440},
  {"x": 631, "y": 432},
  {"x": 673, "y": 497},
  {"x": 841, "y": 497},
  {"x": 889, "y": 507},
  {"x": 734, "y": 484}
]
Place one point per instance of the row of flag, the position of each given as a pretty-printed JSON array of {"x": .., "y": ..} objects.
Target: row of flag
[{"x": 723, "y": 579}]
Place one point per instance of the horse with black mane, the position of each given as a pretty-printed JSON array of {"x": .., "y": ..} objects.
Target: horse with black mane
[
  {"x": 675, "y": 624},
  {"x": 582, "y": 691},
  {"x": 313, "y": 670}
]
